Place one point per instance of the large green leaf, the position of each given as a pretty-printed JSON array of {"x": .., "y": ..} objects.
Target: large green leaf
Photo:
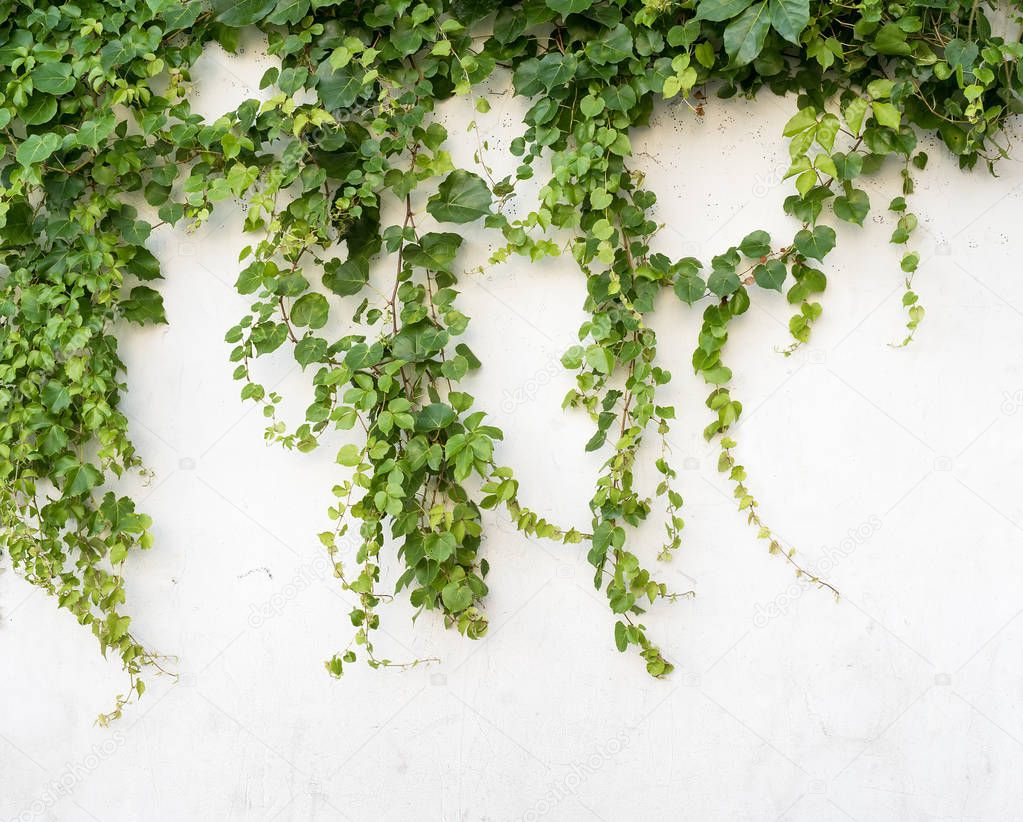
[
  {"x": 310, "y": 310},
  {"x": 53, "y": 78},
  {"x": 815, "y": 244},
  {"x": 789, "y": 17},
  {"x": 242, "y": 12},
  {"x": 852, "y": 207},
  {"x": 566, "y": 7},
  {"x": 346, "y": 278},
  {"x": 435, "y": 416},
  {"x": 144, "y": 305},
  {"x": 338, "y": 89},
  {"x": 40, "y": 109},
  {"x": 461, "y": 198},
  {"x": 435, "y": 251},
  {"x": 744, "y": 37},
  {"x": 79, "y": 477},
  {"x": 719, "y": 10},
  {"x": 37, "y": 148}
]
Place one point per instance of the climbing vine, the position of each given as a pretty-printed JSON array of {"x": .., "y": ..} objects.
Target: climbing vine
[{"x": 357, "y": 213}]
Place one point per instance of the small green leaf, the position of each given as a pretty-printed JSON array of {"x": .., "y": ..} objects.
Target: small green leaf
[{"x": 621, "y": 638}]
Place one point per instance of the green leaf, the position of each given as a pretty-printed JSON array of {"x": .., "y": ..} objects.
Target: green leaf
[
  {"x": 56, "y": 397},
  {"x": 116, "y": 53},
  {"x": 80, "y": 478},
  {"x": 961, "y": 53},
  {"x": 887, "y": 115},
  {"x": 37, "y": 147},
  {"x": 600, "y": 359},
  {"x": 461, "y": 198},
  {"x": 756, "y": 244},
  {"x": 621, "y": 638},
  {"x": 456, "y": 596},
  {"x": 718, "y": 375},
  {"x": 440, "y": 547},
  {"x": 852, "y": 207},
  {"x": 289, "y": 11},
  {"x": 309, "y": 350},
  {"x": 239, "y": 13},
  {"x": 566, "y": 7},
  {"x": 891, "y": 39},
  {"x": 53, "y": 78},
  {"x": 435, "y": 416},
  {"x": 745, "y": 36},
  {"x": 346, "y": 278},
  {"x": 801, "y": 121},
  {"x": 436, "y": 251},
  {"x": 40, "y": 109},
  {"x": 144, "y": 305},
  {"x": 723, "y": 281},
  {"x": 349, "y": 455},
  {"x": 770, "y": 275},
  {"x": 815, "y": 244},
  {"x": 789, "y": 18},
  {"x": 93, "y": 132},
  {"x": 854, "y": 113},
  {"x": 310, "y": 310},
  {"x": 689, "y": 285},
  {"x": 880, "y": 89},
  {"x": 614, "y": 45},
  {"x": 338, "y": 89},
  {"x": 720, "y": 10}
]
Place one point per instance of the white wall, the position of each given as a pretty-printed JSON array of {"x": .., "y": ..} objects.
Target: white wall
[{"x": 899, "y": 703}]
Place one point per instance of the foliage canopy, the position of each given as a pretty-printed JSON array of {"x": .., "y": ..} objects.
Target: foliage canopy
[{"x": 100, "y": 146}]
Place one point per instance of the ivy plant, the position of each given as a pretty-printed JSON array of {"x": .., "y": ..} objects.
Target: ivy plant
[{"x": 100, "y": 146}]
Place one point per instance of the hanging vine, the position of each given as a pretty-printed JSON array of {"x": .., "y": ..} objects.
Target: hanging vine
[{"x": 349, "y": 191}]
